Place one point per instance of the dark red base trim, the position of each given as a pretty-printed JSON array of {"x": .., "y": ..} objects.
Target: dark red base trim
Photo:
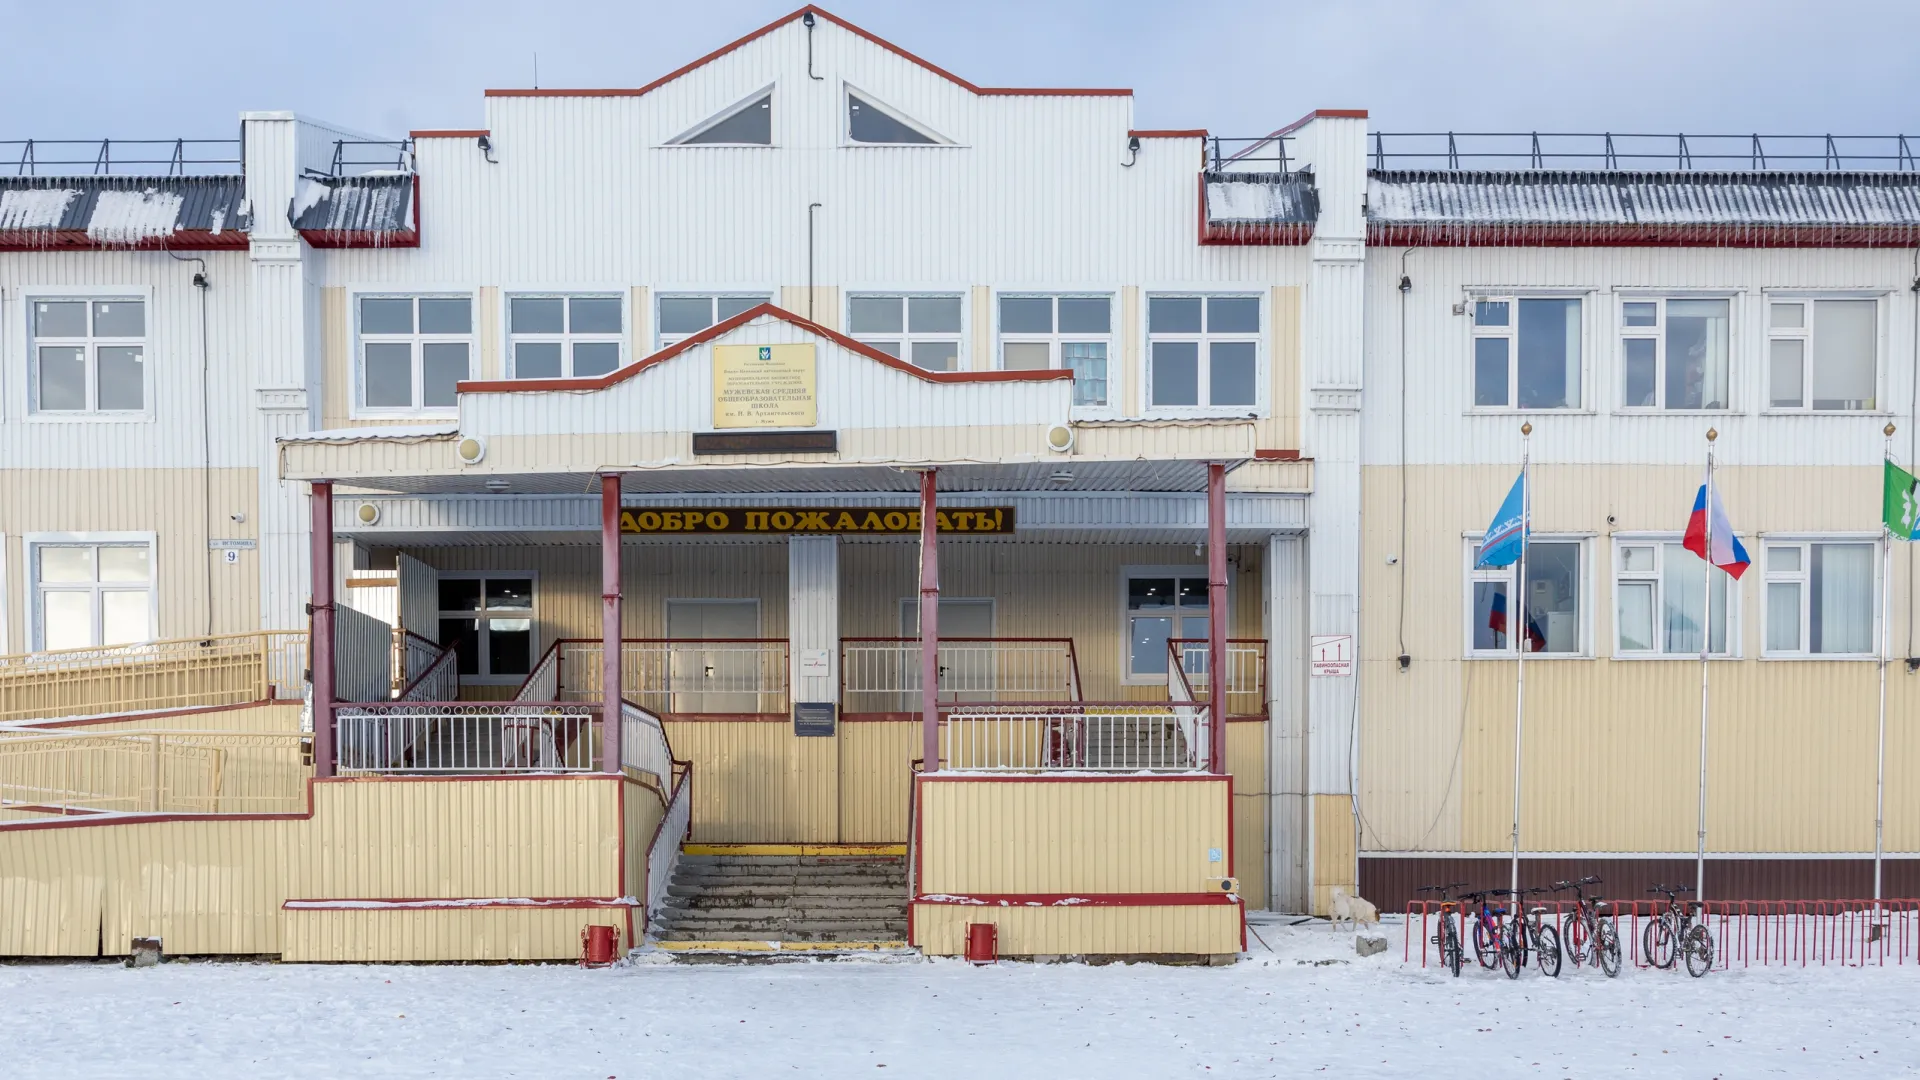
[
  {"x": 452, "y": 904},
  {"x": 1391, "y": 881},
  {"x": 1068, "y": 900},
  {"x": 360, "y": 238},
  {"x": 78, "y": 240}
]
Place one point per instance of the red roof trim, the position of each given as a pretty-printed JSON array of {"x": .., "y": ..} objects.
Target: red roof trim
[
  {"x": 78, "y": 240},
  {"x": 601, "y": 382},
  {"x": 449, "y": 133},
  {"x": 983, "y": 91},
  {"x": 1276, "y": 455},
  {"x": 1157, "y": 133}
]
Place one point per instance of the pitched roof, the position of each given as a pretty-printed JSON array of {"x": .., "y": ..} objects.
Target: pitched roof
[{"x": 178, "y": 212}]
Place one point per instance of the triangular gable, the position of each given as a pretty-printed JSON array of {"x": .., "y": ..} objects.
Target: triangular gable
[
  {"x": 827, "y": 16},
  {"x": 747, "y": 122},
  {"x": 872, "y": 122}
]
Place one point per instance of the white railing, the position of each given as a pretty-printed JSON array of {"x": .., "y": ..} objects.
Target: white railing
[
  {"x": 543, "y": 683},
  {"x": 1246, "y": 673},
  {"x": 412, "y": 656},
  {"x": 440, "y": 681},
  {"x": 883, "y": 674},
  {"x": 643, "y": 744},
  {"x": 154, "y": 771},
  {"x": 663, "y": 853},
  {"x": 741, "y": 675},
  {"x": 1093, "y": 737},
  {"x": 451, "y": 736},
  {"x": 226, "y": 669},
  {"x": 362, "y": 656}
]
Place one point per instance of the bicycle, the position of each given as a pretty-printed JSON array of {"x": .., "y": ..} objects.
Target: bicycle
[
  {"x": 1675, "y": 933},
  {"x": 1447, "y": 937},
  {"x": 1488, "y": 929},
  {"x": 1536, "y": 929},
  {"x": 1588, "y": 933}
]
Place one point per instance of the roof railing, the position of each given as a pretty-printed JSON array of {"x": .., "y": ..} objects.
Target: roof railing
[
  {"x": 358, "y": 157},
  {"x": 1266, "y": 153},
  {"x": 1609, "y": 151},
  {"x": 122, "y": 157}
]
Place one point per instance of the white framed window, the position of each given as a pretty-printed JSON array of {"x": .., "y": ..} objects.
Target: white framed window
[
  {"x": 91, "y": 589},
  {"x": 1659, "y": 590},
  {"x": 490, "y": 616},
  {"x": 871, "y": 123},
  {"x": 1161, "y": 602},
  {"x": 923, "y": 329},
  {"x": 1674, "y": 352},
  {"x": 748, "y": 122},
  {"x": 1074, "y": 333},
  {"x": 1553, "y": 620},
  {"x": 1823, "y": 354},
  {"x": 414, "y": 351},
  {"x": 681, "y": 316},
  {"x": 89, "y": 356},
  {"x": 564, "y": 336},
  {"x": 1203, "y": 353},
  {"x": 1526, "y": 352},
  {"x": 1819, "y": 597}
]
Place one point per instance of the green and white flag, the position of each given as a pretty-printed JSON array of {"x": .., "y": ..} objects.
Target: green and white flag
[{"x": 1900, "y": 507}]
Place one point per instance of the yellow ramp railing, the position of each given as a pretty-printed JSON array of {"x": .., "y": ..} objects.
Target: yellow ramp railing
[
  {"x": 225, "y": 669},
  {"x": 148, "y": 771}
]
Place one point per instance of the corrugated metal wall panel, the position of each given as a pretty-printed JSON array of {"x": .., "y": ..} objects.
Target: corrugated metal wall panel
[
  {"x": 756, "y": 782},
  {"x": 876, "y": 769},
  {"x": 1211, "y": 929},
  {"x": 1247, "y": 762},
  {"x": 1054, "y": 836},
  {"x": 813, "y": 616},
  {"x": 418, "y": 602},
  {"x": 641, "y": 811},
  {"x": 416, "y": 936}
]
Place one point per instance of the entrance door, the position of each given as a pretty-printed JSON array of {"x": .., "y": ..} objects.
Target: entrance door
[
  {"x": 968, "y": 671},
  {"x": 721, "y": 678}
]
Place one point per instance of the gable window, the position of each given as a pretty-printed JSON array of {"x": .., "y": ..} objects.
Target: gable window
[
  {"x": 1659, "y": 593},
  {"x": 556, "y": 337},
  {"x": 1552, "y": 620},
  {"x": 89, "y": 356},
  {"x": 1203, "y": 351},
  {"x": 749, "y": 123},
  {"x": 1822, "y": 354},
  {"x": 923, "y": 330},
  {"x": 1819, "y": 598},
  {"x": 92, "y": 595},
  {"x": 1526, "y": 353},
  {"x": 491, "y": 619},
  {"x": 413, "y": 351},
  {"x": 876, "y": 124},
  {"x": 1038, "y": 333},
  {"x": 1674, "y": 353},
  {"x": 681, "y": 316},
  {"x": 1162, "y": 603}
]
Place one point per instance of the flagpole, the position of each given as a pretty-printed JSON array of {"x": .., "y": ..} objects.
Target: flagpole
[
  {"x": 1706, "y": 645},
  {"x": 1886, "y": 621},
  {"x": 1518, "y": 616}
]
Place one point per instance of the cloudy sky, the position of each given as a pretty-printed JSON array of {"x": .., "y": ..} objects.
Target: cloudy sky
[{"x": 1237, "y": 67}]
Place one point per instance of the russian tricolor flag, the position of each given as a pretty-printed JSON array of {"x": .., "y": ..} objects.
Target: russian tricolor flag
[{"x": 1727, "y": 552}]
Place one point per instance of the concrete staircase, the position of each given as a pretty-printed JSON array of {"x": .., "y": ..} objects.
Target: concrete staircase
[{"x": 804, "y": 903}]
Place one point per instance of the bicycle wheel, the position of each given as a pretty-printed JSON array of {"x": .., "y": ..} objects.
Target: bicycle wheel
[
  {"x": 1546, "y": 949},
  {"x": 1662, "y": 942},
  {"x": 1576, "y": 934},
  {"x": 1513, "y": 949},
  {"x": 1606, "y": 947},
  {"x": 1486, "y": 944},
  {"x": 1450, "y": 951},
  {"x": 1699, "y": 951}
]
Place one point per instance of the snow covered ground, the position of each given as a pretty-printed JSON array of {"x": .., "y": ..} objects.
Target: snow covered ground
[{"x": 1285, "y": 1012}]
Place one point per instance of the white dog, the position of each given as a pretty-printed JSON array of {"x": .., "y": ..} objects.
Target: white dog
[{"x": 1353, "y": 909}]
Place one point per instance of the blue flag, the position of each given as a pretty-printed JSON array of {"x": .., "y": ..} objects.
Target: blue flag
[{"x": 1508, "y": 533}]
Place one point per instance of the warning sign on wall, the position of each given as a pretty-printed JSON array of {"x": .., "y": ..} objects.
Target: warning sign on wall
[{"x": 1332, "y": 654}]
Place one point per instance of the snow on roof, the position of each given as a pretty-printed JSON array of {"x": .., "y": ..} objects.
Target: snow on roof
[
  {"x": 129, "y": 217},
  {"x": 1437, "y": 197},
  {"x": 1259, "y": 207},
  {"x": 369, "y": 204},
  {"x": 35, "y": 208},
  {"x": 122, "y": 211},
  {"x": 396, "y": 432}
]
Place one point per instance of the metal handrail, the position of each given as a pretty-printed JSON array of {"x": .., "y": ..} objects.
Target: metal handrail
[
  {"x": 1226, "y": 153},
  {"x": 180, "y": 156},
  {"x": 1611, "y": 151},
  {"x": 349, "y": 154}
]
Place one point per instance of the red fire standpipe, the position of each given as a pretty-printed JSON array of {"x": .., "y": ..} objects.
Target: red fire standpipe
[
  {"x": 929, "y": 624},
  {"x": 610, "y": 621},
  {"x": 597, "y": 945},
  {"x": 321, "y": 565},
  {"x": 1217, "y": 614}
]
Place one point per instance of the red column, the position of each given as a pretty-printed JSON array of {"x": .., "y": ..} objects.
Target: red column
[
  {"x": 1217, "y": 612},
  {"x": 321, "y": 630},
  {"x": 929, "y": 624},
  {"x": 610, "y": 620}
]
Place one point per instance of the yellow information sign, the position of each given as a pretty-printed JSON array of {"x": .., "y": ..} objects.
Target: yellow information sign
[{"x": 763, "y": 386}]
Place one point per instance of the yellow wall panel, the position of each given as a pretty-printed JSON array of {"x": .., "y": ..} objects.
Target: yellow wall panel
[
  {"x": 413, "y": 935},
  {"x": 641, "y": 810},
  {"x": 1247, "y": 763},
  {"x": 1040, "y": 835},
  {"x": 1200, "y": 929},
  {"x": 1335, "y": 862},
  {"x": 876, "y": 768}
]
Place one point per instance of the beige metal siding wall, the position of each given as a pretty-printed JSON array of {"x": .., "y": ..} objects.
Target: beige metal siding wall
[
  {"x": 876, "y": 771},
  {"x": 428, "y": 936},
  {"x": 755, "y": 781},
  {"x": 1056, "y": 835},
  {"x": 641, "y": 808},
  {"x": 1280, "y": 430},
  {"x": 1247, "y": 763},
  {"x": 172, "y": 503},
  {"x": 1612, "y": 745},
  {"x": 1211, "y": 929}
]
